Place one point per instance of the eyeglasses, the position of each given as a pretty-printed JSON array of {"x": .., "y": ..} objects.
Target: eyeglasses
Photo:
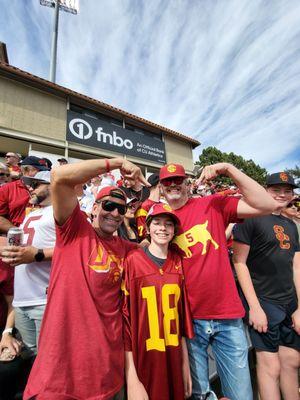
[
  {"x": 36, "y": 184},
  {"x": 4, "y": 174},
  {"x": 10, "y": 155},
  {"x": 295, "y": 204},
  {"x": 177, "y": 180},
  {"x": 110, "y": 206}
]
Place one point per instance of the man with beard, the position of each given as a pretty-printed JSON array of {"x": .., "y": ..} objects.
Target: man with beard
[
  {"x": 14, "y": 195},
  {"x": 215, "y": 303},
  {"x": 32, "y": 261}
]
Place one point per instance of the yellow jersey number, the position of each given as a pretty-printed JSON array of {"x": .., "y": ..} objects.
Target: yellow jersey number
[{"x": 155, "y": 342}]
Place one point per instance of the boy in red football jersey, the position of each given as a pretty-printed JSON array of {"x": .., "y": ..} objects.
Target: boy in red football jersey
[{"x": 156, "y": 315}]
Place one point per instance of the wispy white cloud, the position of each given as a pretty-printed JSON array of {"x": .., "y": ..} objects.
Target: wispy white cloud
[{"x": 226, "y": 72}]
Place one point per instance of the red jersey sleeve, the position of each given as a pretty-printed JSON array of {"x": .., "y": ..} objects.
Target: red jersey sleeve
[
  {"x": 187, "y": 322},
  {"x": 126, "y": 308}
]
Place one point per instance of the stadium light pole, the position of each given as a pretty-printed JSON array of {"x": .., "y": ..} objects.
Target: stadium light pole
[
  {"x": 54, "y": 43},
  {"x": 70, "y": 6}
]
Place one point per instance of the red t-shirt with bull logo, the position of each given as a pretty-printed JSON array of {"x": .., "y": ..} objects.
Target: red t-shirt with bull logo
[
  {"x": 210, "y": 284},
  {"x": 156, "y": 315},
  {"x": 81, "y": 349}
]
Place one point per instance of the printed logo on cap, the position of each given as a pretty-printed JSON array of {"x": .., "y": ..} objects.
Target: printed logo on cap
[
  {"x": 283, "y": 176},
  {"x": 171, "y": 168}
]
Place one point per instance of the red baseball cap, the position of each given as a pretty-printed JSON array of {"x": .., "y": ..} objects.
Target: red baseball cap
[
  {"x": 113, "y": 191},
  {"x": 162, "y": 209},
  {"x": 171, "y": 170}
]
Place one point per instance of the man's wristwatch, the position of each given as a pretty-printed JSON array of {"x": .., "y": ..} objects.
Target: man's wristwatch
[{"x": 40, "y": 255}]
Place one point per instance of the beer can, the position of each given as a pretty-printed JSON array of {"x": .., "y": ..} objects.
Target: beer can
[{"x": 15, "y": 236}]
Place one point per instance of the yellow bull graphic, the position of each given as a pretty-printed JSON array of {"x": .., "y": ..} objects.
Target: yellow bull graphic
[{"x": 197, "y": 234}]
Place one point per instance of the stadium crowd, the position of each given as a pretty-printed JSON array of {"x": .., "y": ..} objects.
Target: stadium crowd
[{"x": 120, "y": 287}]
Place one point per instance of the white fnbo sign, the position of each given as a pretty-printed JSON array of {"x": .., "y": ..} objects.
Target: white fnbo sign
[{"x": 101, "y": 134}]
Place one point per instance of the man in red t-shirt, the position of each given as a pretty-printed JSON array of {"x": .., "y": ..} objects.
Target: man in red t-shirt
[
  {"x": 14, "y": 196},
  {"x": 81, "y": 349},
  {"x": 215, "y": 304}
]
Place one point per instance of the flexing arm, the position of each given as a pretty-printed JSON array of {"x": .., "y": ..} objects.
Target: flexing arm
[
  {"x": 257, "y": 316},
  {"x": 256, "y": 201},
  {"x": 135, "y": 388},
  {"x": 296, "y": 269},
  {"x": 65, "y": 178}
]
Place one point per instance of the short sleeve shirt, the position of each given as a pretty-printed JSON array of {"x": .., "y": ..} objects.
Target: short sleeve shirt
[
  {"x": 273, "y": 241},
  {"x": 210, "y": 283},
  {"x": 13, "y": 201},
  {"x": 81, "y": 350},
  {"x": 156, "y": 316}
]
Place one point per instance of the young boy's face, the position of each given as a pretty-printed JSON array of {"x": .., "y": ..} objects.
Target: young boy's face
[{"x": 161, "y": 229}]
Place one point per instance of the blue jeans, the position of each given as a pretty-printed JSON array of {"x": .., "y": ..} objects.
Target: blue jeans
[
  {"x": 28, "y": 322},
  {"x": 230, "y": 349}
]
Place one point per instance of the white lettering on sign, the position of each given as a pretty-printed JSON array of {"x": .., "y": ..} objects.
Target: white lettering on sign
[{"x": 113, "y": 139}]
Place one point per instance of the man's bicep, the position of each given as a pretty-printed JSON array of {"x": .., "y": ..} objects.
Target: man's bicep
[
  {"x": 64, "y": 201},
  {"x": 246, "y": 211},
  {"x": 240, "y": 252}
]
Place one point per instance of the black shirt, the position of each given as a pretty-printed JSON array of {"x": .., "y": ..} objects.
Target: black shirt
[
  {"x": 273, "y": 241},
  {"x": 158, "y": 261}
]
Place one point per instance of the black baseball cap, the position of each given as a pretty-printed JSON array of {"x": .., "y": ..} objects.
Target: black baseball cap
[
  {"x": 35, "y": 162},
  {"x": 281, "y": 178},
  {"x": 153, "y": 179}
]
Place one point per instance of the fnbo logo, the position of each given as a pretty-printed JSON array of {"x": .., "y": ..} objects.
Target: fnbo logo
[{"x": 80, "y": 128}]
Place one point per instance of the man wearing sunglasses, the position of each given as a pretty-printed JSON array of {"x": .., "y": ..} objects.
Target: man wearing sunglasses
[
  {"x": 14, "y": 196},
  {"x": 81, "y": 351},
  {"x": 215, "y": 303},
  {"x": 12, "y": 161},
  {"x": 32, "y": 261},
  {"x": 267, "y": 262}
]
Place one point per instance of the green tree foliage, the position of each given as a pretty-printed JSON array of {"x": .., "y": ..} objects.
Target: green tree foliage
[
  {"x": 211, "y": 155},
  {"x": 295, "y": 172}
]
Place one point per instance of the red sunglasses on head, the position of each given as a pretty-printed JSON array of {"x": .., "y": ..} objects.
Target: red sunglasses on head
[{"x": 177, "y": 180}]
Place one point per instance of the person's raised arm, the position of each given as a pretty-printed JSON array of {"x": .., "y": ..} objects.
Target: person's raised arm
[
  {"x": 65, "y": 178},
  {"x": 256, "y": 200}
]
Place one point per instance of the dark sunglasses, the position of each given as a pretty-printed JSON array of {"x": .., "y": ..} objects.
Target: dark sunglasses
[
  {"x": 110, "y": 206},
  {"x": 9, "y": 155},
  {"x": 36, "y": 184},
  {"x": 4, "y": 174},
  {"x": 177, "y": 180},
  {"x": 295, "y": 204}
]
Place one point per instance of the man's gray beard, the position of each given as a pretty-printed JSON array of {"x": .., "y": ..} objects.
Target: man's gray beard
[{"x": 36, "y": 200}]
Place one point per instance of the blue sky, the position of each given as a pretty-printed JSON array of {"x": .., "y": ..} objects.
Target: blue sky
[{"x": 226, "y": 72}]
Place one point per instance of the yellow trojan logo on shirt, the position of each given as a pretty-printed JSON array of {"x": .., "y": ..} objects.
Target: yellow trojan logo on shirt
[
  {"x": 106, "y": 262},
  {"x": 197, "y": 234}
]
